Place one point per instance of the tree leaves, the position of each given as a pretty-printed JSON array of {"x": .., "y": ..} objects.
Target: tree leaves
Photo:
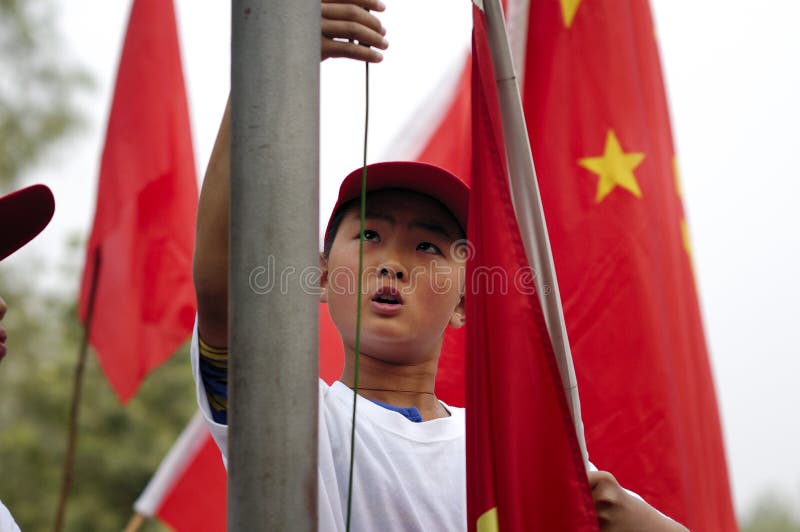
[
  {"x": 118, "y": 448},
  {"x": 38, "y": 86}
]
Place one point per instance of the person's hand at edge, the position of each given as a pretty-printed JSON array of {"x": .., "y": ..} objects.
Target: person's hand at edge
[
  {"x": 620, "y": 511},
  {"x": 350, "y": 30},
  {"x": 3, "y": 335}
]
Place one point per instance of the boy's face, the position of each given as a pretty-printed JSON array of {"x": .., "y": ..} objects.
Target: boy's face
[{"x": 413, "y": 277}]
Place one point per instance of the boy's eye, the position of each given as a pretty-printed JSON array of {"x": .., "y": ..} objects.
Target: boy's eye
[
  {"x": 371, "y": 236},
  {"x": 427, "y": 247}
]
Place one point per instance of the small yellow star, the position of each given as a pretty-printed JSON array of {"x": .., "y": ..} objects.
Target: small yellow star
[
  {"x": 615, "y": 168},
  {"x": 687, "y": 245},
  {"x": 487, "y": 522},
  {"x": 677, "y": 173},
  {"x": 568, "y": 9}
]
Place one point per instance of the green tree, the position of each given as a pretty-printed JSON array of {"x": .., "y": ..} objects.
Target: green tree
[
  {"x": 118, "y": 447},
  {"x": 37, "y": 87},
  {"x": 772, "y": 513}
]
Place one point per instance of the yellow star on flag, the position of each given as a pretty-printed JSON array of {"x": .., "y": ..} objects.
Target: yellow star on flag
[
  {"x": 568, "y": 9},
  {"x": 615, "y": 168},
  {"x": 487, "y": 522},
  {"x": 687, "y": 245}
]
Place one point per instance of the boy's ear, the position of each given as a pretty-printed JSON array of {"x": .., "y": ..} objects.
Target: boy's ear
[
  {"x": 458, "y": 318},
  {"x": 323, "y": 279}
]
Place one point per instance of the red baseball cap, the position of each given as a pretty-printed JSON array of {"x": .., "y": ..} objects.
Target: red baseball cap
[
  {"x": 23, "y": 215},
  {"x": 424, "y": 178}
]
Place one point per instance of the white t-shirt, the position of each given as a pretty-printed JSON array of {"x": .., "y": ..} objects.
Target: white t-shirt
[
  {"x": 408, "y": 476},
  {"x": 7, "y": 523}
]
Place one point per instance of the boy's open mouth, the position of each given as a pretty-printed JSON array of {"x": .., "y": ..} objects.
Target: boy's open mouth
[{"x": 388, "y": 295}]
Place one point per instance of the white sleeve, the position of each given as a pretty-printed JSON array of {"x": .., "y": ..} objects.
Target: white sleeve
[{"x": 218, "y": 431}]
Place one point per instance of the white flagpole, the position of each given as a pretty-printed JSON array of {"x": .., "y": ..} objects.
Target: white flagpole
[
  {"x": 172, "y": 466},
  {"x": 528, "y": 205}
]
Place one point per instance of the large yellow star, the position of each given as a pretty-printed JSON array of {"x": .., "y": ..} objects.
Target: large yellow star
[
  {"x": 615, "y": 168},
  {"x": 568, "y": 9}
]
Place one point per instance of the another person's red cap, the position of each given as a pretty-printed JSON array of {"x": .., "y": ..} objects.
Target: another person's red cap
[
  {"x": 23, "y": 215},
  {"x": 424, "y": 178}
]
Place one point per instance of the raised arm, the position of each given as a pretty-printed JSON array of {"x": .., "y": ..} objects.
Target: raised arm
[
  {"x": 210, "y": 267},
  {"x": 348, "y": 30}
]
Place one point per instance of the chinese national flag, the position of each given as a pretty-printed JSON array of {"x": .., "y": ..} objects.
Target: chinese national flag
[
  {"x": 144, "y": 219},
  {"x": 524, "y": 467},
  {"x": 598, "y": 120}
]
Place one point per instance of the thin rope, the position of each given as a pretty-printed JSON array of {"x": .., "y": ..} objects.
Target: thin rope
[{"x": 358, "y": 295}]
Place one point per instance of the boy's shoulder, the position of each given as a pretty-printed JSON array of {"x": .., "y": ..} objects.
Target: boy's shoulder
[{"x": 374, "y": 421}]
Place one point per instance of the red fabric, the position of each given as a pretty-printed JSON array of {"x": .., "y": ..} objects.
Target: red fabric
[
  {"x": 522, "y": 452},
  {"x": 197, "y": 501},
  {"x": 449, "y": 146},
  {"x": 331, "y": 350},
  {"x": 626, "y": 279},
  {"x": 145, "y": 213}
]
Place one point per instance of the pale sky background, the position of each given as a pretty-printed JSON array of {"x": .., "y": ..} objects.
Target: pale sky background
[{"x": 734, "y": 90}]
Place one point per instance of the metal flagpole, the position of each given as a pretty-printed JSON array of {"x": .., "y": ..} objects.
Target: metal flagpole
[
  {"x": 528, "y": 205},
  {"x": 272, "y": 462}
]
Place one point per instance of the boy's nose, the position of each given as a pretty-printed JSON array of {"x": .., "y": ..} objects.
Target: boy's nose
[{"x": 388, "y": 271}]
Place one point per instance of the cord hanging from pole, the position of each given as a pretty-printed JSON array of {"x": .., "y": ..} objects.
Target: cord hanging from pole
[{"x": 362, "y": 216}]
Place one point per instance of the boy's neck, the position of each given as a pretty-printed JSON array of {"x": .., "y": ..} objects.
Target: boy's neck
[{"x": 398, "y": 385}]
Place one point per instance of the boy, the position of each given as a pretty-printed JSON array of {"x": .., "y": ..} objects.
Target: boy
[{"x": 410, "y": 472}]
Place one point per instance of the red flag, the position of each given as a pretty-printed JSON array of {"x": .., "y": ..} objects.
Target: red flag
[
  {"x": 189, "y": 490},
  {"x": 449, "y": 143},
  {"x": 597, "y": 116},
  {"x": 331, "y": 349},
  {"x": 592, "y": 90},
  {"x": 524, "y": 467},
  {"x": 144, "y": 219}
]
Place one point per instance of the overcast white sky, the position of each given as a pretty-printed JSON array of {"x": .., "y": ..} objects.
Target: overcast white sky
[{"x": 733, "y": 86}]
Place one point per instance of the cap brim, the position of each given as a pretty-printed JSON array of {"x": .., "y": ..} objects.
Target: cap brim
[{"x": 23, "y": 215}]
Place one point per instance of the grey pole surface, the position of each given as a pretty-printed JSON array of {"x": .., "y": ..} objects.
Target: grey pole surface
[{"x": 274, "y": 253}]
